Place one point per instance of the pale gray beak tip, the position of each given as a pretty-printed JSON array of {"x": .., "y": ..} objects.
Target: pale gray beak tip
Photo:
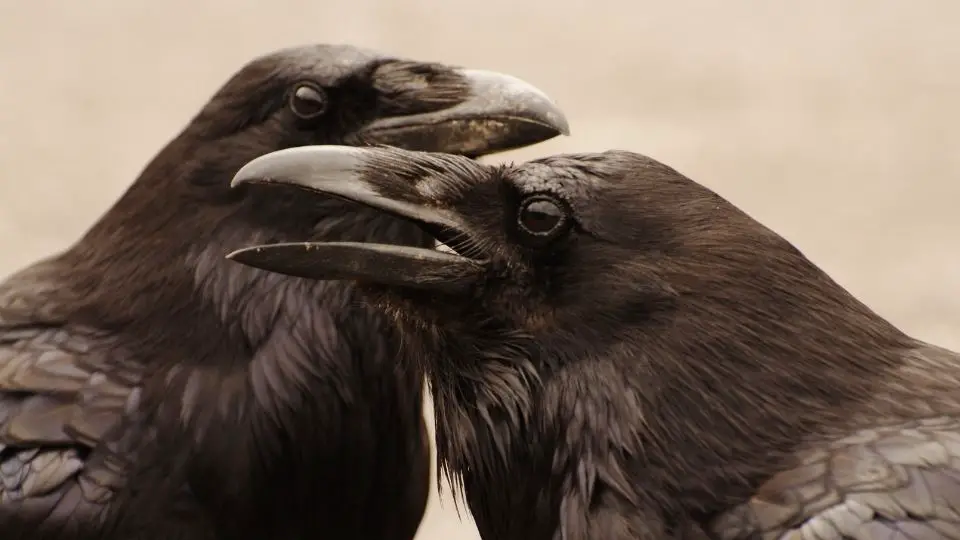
[
  {"x": 507, "y": 93},
  {"x": 300, "y": 162}
]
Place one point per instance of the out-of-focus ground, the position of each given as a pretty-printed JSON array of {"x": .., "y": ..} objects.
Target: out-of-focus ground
[{"x": 835, "y": 122}]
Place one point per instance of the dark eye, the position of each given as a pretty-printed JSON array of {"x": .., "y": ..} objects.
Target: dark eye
[
  {"x": 542, "y": 217},
  {"x": 308, "y": 101}
]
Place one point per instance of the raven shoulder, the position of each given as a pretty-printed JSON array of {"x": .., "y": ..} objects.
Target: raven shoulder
[{"x": 898, "y": 476}]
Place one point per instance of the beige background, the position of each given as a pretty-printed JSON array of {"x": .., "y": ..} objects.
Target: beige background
[{"x": 833, "y": 121}]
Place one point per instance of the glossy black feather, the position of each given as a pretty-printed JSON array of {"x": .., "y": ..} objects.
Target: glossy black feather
[
  {"x": 152, "y": 390},
  {"x": 668, "y": 369}
]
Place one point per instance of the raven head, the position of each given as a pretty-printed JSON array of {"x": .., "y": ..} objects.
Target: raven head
[
  {"x": 525, "y": 242},
  {"x": 577, "y": 247},
  {"x": 339, "y": 94}
]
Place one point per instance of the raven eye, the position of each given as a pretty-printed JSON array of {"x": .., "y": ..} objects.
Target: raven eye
[
  {"x": 542, "y": 217},
  {"x": 308, "y": 101}
]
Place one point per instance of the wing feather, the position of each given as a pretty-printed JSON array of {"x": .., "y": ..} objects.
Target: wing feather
[
  {"x": 61, "y": 404},
  {"x": 895, "y": 482}
]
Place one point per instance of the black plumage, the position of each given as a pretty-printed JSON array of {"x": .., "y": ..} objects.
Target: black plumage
[
  {"x": 618, "y": 352},
  {"x": 150, "y": 389}
]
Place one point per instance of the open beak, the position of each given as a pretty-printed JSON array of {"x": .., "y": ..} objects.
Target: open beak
[
  {"x": 496, "y": 112},
  {"x": 366, "y": 176}
]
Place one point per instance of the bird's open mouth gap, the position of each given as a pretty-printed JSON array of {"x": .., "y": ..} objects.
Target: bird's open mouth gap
[{"x": 445, "y": 238}]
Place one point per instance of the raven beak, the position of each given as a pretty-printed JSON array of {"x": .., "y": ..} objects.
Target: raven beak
[
  {"x": 498, "y": 112},
  {"x": 361, "y": 175}
]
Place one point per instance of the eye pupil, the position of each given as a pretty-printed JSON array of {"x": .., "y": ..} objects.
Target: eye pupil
[
  {"x": 541, "y": 217},
  {"x": 308, "y": 101}
]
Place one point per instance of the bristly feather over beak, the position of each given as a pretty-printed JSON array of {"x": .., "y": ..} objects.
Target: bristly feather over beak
[
  {"x": 365, "y": 176},
  {"x": 498, "y": 112}
]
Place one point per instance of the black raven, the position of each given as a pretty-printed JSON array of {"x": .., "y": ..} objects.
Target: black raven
[
  {"x": 150, "y": 389},
  {"x": 618, "y": 352}
]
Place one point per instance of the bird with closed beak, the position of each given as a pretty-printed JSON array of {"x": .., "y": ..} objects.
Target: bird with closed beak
[
  {"x": 151, "y": 390},
  {"x": 617, "y": 352}
]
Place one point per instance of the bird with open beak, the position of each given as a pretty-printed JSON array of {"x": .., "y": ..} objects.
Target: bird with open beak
[
  {"x": 617, "y": 352},
  {"x": 151, "y": 390}
]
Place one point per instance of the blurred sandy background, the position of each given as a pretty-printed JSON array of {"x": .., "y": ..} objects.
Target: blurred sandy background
[{"x": 836, "y": 122}]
